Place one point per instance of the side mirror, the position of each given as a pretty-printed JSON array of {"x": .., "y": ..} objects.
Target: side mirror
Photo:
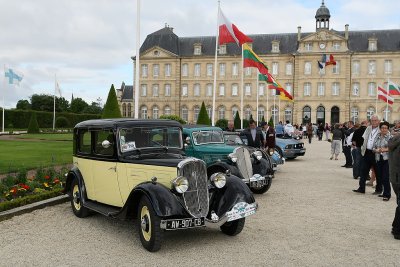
[{"x": 105, "y": 144}]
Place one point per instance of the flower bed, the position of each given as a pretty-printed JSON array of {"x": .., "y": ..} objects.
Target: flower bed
[{"x": 18, "y": 189}]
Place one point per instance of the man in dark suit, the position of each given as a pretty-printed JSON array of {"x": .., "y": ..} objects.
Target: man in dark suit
[
  {"x": 254, "y": 136},
  {"x": 347, "y": 145}
]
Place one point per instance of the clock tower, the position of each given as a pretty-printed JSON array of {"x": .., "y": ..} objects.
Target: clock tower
[{"x": 322, "y": 18}]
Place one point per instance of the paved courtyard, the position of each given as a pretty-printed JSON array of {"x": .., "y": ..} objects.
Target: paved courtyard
[{"x": 309, "y": 217}]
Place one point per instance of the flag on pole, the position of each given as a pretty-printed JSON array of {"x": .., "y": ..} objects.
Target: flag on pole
[
  {"x": 383, "y": 95},
  {"x": 326, "y": 61},
  {"x": 229, "y": 33},
  {"x": 394, "y": 89},
  {"x": 284, "y": 95},
  {"x": 58, "y": 89},
  {"x": 250, "y": 59},
  {"x": 13, "y": 76}
]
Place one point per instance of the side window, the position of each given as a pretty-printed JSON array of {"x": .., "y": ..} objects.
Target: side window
[
  {"x": 102, "y": 148},
  {"x": 85, "y": 141}
]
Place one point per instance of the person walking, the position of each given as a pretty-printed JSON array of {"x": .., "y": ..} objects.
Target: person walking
[
  {"x": 394, "y": 176},
  {"x": 336, "y": 142},
  {"x": 357, "y": 142},
  {"x": 381, "y": 156},
  {"x": 368, "y": 157},
  {"x": 309, "y": 132},
  {"x": 253, "y": 134},
  {"x": 327, "y": 130},
  {"x": 320, "y": 131}
]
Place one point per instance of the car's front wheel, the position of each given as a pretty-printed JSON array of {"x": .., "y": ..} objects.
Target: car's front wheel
[
  {"x": 234, "y": 227},
  {"x": 150, "y": 233},
  {"x": 76, "y": 200},
  {"x": 262, "y": 189}
]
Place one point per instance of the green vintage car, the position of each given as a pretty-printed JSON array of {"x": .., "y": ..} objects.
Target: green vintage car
[{"x": 252, "y": 165}]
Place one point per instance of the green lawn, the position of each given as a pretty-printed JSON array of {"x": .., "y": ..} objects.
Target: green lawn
[
  {"x": 16, "y": 154},
  {"x": 54, "y": 137}
]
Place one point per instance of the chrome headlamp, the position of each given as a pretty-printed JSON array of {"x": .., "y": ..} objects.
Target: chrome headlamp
[
  {"x": 257, "y": 154},
  {"x": 180, "y": 184},
  {"x": 271, "y": 151},
  {"x": 218, "y": 179},
  {"x": 233, "y": 157}
]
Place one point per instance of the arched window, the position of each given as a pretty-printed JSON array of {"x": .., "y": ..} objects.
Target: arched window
[
  {"x": 247, "y": 113},
  {"x": 288, "y": 114},
  {"x": 155, "y": 112},
  {"x": 335, "y": 115},
  {"x": 196, "y": 111},
  {"x": 387, "y": 114},
  {"x": 129, "y": 114},
  {"x": 167, "y": 110},
  {"x": 185, "y": 113},
  {"x": 370, "y": 112},
  {"x": 209, "y": 111},
  {"x": 123, "y": 110},
  {"x": 235, "y": 109},
  {"x": 354, "y": 114},
  {"x": 275, "y": 114},
  {"x": 221, "y": 112},
  {"x": 306, "y": 114},
  {"x": 320, "y": 114},
  {"x": 143, "y": 112},
  {"x": 261, "y": 112}
]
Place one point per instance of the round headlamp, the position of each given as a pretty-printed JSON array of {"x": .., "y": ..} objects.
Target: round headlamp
[
  {"x": 218, "y": 179},
  {"x": 257, "y": 154},
  {"x": 271, "y": 152},
  {"x": 232, "y": 157},
  {"x": 180, "y": 184}
]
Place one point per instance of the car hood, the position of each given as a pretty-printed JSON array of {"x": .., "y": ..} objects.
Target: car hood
[
  {"x": 215, "y": 149},
  {"x": 287, "y": 141}
]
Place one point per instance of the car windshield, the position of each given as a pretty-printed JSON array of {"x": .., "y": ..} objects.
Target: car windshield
[
  {"x": 208, "y": 137},
  {"x": 233, "y": 139},
  {"x": 149, "y": 137}
]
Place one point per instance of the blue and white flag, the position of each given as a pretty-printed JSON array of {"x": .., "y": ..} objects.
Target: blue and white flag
[{"x": 13, "y": 77}]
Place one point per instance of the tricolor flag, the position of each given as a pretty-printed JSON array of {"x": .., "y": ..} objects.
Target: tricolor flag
[
  {"x": 250, "y": 59},
  {"x": 326, "y": 61},
  {"x": 13, "y": 77},
  {"x": 229, "y": 33},
  {"x": 383, "y": 95},
  {"x": 394, "y": 89},
  {"x": 284, "y": 95}
]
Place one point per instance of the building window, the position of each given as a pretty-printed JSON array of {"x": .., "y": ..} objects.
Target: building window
[
  {"x": 155, "y": 89},
  {"x": 388, "y": 67},
  {"x": 156, "y": 70},
  {"x": 308, "y": 46},
  {"x": 221, "y": 69},
  {"x": 321, "y": 71},
  {"x": 321, "y": 89},
  {"x": 184, "y": 90},
  {"x": 221, "y": 89},
  {"x": 167, "y": 111},
  {"x": 167, "y": 69},
  {"x": 370, "y": 112},
  {"x": 275, "y": 69},
  {"x": 289, "y": 88},
  {"x": 185, "y": 70},
  {"x": 275, "y": 114},
  {"x": 167, "y": 89},
  {"x": 155, "y": 113},
  {"x": 129, "y": 110},
  {"x": 234, "y": 89},
  {"x": 371, "y": 67},
  {"x": 354, "y": 114},
  {"x": 144, "y": 90},
  {"x": 336, "y": 46},
  {"x": 143, "y": 112},
  {"x": 307, "y": 68},
  {"x": 371, "y": 89},
  {"x": 307, "y": 89},
  {"x": 372, "y": 45},
  {"x": 145, "y": 70},
  {"x": 261, "y": 89},
  {"x": 235, "y": 109},
  {"x": 123, "y": 110},
  {"x": 275, "y": 48},
  {"x": 356, "y": 67},
  {"x": 261, "y": 112},
  {"x": 247, "y": 90},
  {"x": 209, "y": 111},
  {"x": 209, "y": 69},
  {"x": 185, "y": 113},
  {"x": 288, "y": 114},
  {"x": 289, "y": 68},
  {"x": 235, "y": 69},
  {"x": 197, "y": 69},
  {"x": 222, "y": 49},
  {"x": 196, "y": 89},
  {"x": 356, "y": 89},
  {"x": 209, "y": 90},
  {"x": 221, "y": 113},
  {"x": 335, "y": 88},
  {"x": 247, "y": 113},
  {"x": 196, "y": 111},
  {"x": 336, "y": 68},
  {"x": 247, "y": 71},
  {"x": 197, "y": 50}
]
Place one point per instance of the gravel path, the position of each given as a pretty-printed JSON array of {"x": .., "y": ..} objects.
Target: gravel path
[{"x": 309, "y": 217}]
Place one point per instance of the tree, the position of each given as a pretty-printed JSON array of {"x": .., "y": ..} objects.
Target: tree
[
  {"x": 42, "y": 102},
  {"x": 222, "y": 123},
  {"x": 173, "y": 117},
  {"x": 271, "y": 122},
  {"x": 111, "y": 108},
  {"x": 23, "y": 104},
  {"x": 237, "y": 121},
  {"x": 78, "y": 105},
  {"x": 203, "y": 116},
  {"x": 94, "y": 108},
  {"x": 33, "y": 124}
]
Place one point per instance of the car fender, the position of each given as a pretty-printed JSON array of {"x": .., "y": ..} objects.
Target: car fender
[
  {"x": 220, "y": 165},
  {"x": 71, "y": 175},
  {"x": 262, "y": 167},
  {"x": 235, "y": 191}
]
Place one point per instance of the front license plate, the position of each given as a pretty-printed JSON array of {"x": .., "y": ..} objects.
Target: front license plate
[
  {"x": 302, "y": 150},
  {"x": 258, "y": 183},
  {"x": 241, "y": 210},
  {"x": 184, "y": 223}
]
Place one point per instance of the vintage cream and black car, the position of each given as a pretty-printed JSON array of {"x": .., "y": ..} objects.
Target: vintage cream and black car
[{"x": 126, "y": 168}]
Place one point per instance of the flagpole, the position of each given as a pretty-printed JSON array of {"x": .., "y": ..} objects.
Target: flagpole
[
  {"x": 376, "y": 100},
  {"x": 267, "y": 91},
  {"x": 136, "y": 101},
  {"x": 274, "y": 107},
  {"x": 4, "y": 101},
  {"x": 215, "y": 69},
  {"x": 387, "y": 100},
  {"x": 279, "y": 108},
  {"x": 241, "y": 94},
  {"x": 54, "y": 102},
  {"x": 257, "y": 92}
]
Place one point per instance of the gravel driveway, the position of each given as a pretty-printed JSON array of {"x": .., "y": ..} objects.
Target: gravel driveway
[{"x": 309, "y": 217}]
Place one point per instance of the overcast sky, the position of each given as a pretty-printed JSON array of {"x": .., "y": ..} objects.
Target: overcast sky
[{"x": 88, "y": 44}]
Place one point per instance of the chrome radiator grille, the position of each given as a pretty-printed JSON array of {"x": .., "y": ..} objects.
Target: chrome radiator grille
[
  {"x": 196, "y": 197},
  {"x": 244, "y": 162}
]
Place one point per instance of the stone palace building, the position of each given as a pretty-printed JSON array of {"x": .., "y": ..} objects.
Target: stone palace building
[{"x": 176, "y": 75}]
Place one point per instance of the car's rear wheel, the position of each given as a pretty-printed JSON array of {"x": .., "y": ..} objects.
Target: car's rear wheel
[
  {"x": 76, "y": 200},
  {"x": 150, "y": 233},
  {"x": 234, "y": 227}
]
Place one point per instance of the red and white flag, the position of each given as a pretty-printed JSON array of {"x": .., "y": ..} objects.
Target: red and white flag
[
  {"x": 229, "y": 33},
  {"x": 383, "y": 95}
]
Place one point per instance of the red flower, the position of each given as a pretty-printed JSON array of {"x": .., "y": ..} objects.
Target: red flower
[
  {"x": 13, "y": 191},
  {"x": 47, "y": 177},
  {"x": 24, "y": 186},
  {"x": 56, "y": 181}
]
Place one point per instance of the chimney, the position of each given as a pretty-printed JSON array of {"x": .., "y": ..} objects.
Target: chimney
[
  {"x": 298, "y": 33},
  {"x": 346, "y": 32}
]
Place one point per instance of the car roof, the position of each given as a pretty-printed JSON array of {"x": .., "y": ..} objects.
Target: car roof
[{"x": 125, "y": 122}]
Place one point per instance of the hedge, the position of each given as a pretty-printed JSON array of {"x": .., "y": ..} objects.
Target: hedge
[{"x": 20, "y": 118}]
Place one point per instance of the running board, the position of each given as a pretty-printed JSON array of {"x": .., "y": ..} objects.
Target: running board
[{"x": 104, "y": 209}]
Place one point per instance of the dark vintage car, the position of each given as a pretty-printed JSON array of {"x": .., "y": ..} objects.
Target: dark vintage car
[
  {"x": 126, "y": 168},
  {"x": 208, "y": 143}
]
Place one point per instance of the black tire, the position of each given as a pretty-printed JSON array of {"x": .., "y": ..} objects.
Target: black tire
[
  {"x": 263, "y": 189},
  {"x": 151, "y": 235},
  {"x": 234, "y": 227},
  {"x": 76, "y": 200}
]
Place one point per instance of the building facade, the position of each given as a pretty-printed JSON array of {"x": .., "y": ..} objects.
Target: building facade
[{"x": 177, "y": 73}]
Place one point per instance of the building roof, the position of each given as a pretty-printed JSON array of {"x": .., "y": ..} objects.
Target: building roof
[{"x": 323, "y": 12}]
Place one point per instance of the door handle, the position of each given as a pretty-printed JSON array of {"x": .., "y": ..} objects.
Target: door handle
[{"x": 113, "y": 168}]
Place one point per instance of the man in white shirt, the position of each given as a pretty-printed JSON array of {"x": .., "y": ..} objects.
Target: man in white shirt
[{"x": 288, "y": 129}]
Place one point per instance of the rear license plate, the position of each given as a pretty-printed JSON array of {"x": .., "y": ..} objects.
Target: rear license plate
[{"x": 184, "y": 223}]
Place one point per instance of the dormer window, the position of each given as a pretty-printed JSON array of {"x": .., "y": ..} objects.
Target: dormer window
[
  {"x": 275, "y": 47},
  {"x": 222, "y": 49},
  {"x": 197, "y": 49},
  {"x": 308, "y": 46},
  {"x": 372, "y": 44}
]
